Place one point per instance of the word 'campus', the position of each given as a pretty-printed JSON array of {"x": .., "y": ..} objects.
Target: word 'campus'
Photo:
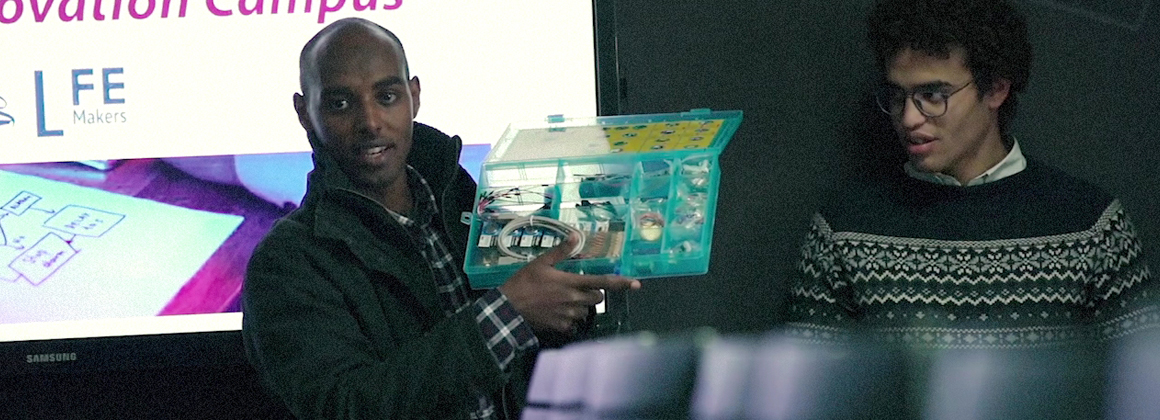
[{"x": 12, "y": 11}]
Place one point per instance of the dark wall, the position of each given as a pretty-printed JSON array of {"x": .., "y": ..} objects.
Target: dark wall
[{"x": 800, "y": 70}]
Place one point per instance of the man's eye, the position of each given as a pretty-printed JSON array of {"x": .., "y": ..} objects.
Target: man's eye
[
  {"x": 932, "y": 96},
  {"x": 337, "y": 104},
  {"x": 387, "y": 98}
]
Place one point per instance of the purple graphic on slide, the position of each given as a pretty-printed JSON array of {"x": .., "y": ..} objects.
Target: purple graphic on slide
[{"x": 45, "y": 236}]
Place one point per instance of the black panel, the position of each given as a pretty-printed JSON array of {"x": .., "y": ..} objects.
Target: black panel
[{"x": 801, "y": 72}]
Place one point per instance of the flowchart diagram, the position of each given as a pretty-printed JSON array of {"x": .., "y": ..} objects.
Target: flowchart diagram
[
  {"x": 41, "y": 255},
  {"x": 71, "y": 252}
]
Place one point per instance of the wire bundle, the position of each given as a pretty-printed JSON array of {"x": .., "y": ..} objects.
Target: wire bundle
[{"x": 511, "y": 194}]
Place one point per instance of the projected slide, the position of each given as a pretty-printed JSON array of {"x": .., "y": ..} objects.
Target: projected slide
[
  {"x": 148, "y": 145},
  {"x": 71, "y": 252}
]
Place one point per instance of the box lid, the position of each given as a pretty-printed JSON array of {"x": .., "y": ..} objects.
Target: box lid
[{"x": 555, "y": 137}]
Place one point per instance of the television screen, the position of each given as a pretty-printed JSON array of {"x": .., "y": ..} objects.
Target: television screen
[{"x": 148, "y": 145}]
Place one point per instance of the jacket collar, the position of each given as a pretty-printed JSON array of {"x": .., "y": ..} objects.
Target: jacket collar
[
  {"x": 337, "y": 210},
  {"x": 438, "y": 163}
]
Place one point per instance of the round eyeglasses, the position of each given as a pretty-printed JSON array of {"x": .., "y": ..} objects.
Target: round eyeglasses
[{"x": 931, "y": 101}]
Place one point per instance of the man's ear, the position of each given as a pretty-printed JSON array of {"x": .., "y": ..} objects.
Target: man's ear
[
  {"x": 1000, "y": 89},
  {"x": 414, "y": 86},
  {"x": 304, "y": 117},
  {"x": 300, "y": 108}
]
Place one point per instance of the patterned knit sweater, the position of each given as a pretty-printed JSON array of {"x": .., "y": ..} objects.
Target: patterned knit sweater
[{"x": 1035, "y": 259}]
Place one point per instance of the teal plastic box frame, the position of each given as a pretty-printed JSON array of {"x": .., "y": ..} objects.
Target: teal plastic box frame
[{"x": 642, "y": 189}]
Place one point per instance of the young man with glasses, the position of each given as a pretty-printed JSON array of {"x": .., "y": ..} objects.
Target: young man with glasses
[{"x": 971, "y": 244}]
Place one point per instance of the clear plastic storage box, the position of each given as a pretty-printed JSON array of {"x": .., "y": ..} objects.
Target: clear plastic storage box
[{"x": 640, "y": 190}]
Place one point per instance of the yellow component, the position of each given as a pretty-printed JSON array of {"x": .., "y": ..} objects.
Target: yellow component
[
  {"x": 651, "y": 233},
  {"x": 661, "y": 136},
  {"x": 626, "y": 138},
  {"x": 700, "y": 134},
  {"x": 665, "y": 136}
]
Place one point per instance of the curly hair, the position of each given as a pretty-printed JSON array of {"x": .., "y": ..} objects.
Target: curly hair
[{"x": 992, "y": 34}]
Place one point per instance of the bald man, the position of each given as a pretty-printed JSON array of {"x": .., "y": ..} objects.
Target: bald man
[{"x": 356, "y": 304}]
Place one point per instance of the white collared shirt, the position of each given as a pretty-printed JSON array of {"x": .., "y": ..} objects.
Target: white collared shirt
[{"x": 1010, "y": 165}]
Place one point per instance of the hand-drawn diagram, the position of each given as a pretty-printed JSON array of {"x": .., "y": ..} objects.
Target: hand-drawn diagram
[
  {"x": 69, "y": 252},
  {"x": 38, "y": 261}
]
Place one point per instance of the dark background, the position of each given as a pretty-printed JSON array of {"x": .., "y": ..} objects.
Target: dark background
[{"x": 800, "y": 70}]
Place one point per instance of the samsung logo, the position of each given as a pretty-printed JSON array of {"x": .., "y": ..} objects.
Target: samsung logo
[{"x": 51, "y": 357}]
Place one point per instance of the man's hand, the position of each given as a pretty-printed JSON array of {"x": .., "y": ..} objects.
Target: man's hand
[{"x": 554, "y": 300}]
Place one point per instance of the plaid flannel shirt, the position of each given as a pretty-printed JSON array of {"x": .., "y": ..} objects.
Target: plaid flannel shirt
[{"x": 504, "y": 328}]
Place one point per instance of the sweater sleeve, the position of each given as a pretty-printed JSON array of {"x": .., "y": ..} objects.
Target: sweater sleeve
[
  {"x": 820, "y": 298},
  {"x": 1125, "y": 296}
]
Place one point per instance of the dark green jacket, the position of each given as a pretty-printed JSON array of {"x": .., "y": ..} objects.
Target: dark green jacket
[{"x": 341, "y": 316}]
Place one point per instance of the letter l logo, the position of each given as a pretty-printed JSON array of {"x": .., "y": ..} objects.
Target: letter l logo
[{"x": 41, "y": 131}]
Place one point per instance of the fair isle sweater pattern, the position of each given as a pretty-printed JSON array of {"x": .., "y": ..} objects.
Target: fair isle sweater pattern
[{"x": 1008, "y": 293}]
